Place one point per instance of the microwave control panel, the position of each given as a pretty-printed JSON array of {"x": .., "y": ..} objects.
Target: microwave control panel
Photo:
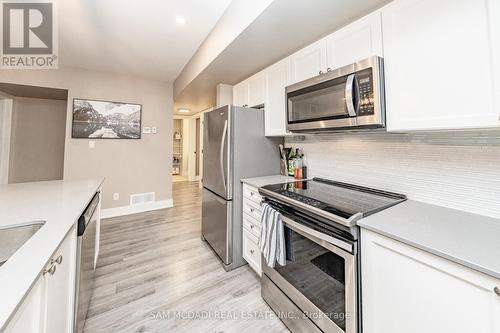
[{"x": 366, "y": 96}]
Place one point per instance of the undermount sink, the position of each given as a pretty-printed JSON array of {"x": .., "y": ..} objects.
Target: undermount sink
[{"x": 12, "y": 238}]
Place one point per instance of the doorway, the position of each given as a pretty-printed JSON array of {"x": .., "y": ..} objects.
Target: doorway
[{"x": 197, "y": 150}]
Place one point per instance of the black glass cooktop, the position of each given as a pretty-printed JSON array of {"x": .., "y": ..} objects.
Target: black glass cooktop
[{"x": 340, "y": 199}]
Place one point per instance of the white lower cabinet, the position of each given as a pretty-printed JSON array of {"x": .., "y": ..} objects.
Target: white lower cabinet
[
  {"x": 28, "y": 318},
  {"x": 48, "y": 307},
  {"x": 408, "y": 290},
  {"x": 251, "y": 227},
  {"x": 60, "y": 287}
]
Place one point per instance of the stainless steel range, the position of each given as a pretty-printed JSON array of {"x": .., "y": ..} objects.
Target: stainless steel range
[{"x": 318, "y": 290}]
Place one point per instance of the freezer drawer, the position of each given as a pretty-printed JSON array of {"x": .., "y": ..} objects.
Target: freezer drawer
[{"x": 216, "y": 224}]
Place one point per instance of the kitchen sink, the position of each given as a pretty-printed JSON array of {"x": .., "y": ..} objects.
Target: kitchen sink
[{"x": 12, "y": 238}]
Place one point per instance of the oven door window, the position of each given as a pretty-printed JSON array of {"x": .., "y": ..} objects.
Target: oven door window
[
  {"x": 323, "y": 101},
  {"x": 318, "y": 273}
]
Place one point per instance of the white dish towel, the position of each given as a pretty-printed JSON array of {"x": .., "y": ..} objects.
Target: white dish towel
[{"x": 272, "y": 236}]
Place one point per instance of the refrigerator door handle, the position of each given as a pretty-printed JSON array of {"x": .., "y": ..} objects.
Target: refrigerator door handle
[{"x": 222, "y": 145}]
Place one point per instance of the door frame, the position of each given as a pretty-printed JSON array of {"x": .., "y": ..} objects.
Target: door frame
[{"x": 6, "y": 105}]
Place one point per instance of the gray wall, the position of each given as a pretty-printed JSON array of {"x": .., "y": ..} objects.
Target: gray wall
[
  {"x": 37, "y": 140},
  {"x": 129, "y": 166}
]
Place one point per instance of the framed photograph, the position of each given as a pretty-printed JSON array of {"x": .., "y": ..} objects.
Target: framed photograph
[{"x": 105, "y": 120}]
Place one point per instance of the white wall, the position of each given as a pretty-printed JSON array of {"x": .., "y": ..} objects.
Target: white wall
[{"x": 457, "y": 170}]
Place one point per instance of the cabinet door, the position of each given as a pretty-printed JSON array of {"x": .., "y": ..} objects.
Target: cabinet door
[
  {"x": 494, "y": 10},
  {"x": 257, "y": 89},
  {"x": 277, "y": 78},
  {"x": 357, "y": 41},
  {"x": 408, "y": 290},
  {"x": 309, "y": 61},
  {"x": 240, "y": 94},
  {"x": 28, "y": 317},
  {"x": 251, "y": 252},
  {"x": 59, "y": 290},
  {"x": 438, "y": 65}
]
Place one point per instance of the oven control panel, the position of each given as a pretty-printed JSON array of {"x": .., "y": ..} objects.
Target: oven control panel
[{"x": 365, "y": 92}]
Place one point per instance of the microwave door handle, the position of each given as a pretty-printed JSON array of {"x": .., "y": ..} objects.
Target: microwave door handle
[{"x": 349, "y": 95}]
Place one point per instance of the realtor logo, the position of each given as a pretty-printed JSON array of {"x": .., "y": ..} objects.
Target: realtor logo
[{"x": 29, "y": 39}]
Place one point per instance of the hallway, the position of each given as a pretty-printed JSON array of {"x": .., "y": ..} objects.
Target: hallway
[{"x": 155, "y": 274}]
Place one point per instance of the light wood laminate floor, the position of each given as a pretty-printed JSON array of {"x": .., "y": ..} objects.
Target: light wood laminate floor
[{"x": 154, "y": 274}]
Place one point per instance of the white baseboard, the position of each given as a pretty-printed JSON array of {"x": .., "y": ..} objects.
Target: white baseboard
[{"x": 134, "y": 209}]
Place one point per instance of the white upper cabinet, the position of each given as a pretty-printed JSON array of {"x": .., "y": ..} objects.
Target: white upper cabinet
[
  {"x": 356, "y": 41},
  {"x": 438, "y": 65},
  {"x": 494, "y": 11},
  {"x": 256, "y": 89},
  {"x": 308, "y": 62},
  {"x": 411, "y": 291},
  {"x": 277, "y": 78},
  {"x": 240, "y": 94}
]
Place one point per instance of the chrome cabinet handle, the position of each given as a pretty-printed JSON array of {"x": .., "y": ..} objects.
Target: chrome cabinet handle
[
  {"x": 251, "y": 226},
  {"x": 251, "y": 209},
  {"x": 320, "y": 73},
  {"x": 58, "y": 260},
  {"x": 51, "y": 270},
  {"x": 251, "y": 194},
  {"x": 497, "y": 290},
  {"x": 252, "y": 251},
  {"x": 328, "y": 69}
]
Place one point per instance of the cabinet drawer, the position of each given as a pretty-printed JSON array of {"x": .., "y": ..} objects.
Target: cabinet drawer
[
  {"x": 251, "y": 251},
  {"x": 252, "y": 209},
  {"x": 252, "y": 225},
  {"x": 251, "y": 193}
]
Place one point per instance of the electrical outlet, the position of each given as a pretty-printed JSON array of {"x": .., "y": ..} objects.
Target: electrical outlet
[
  {"x": 91, "y": 144},
  {"x": 116, "y": 196},
  {"x": 153, "y": 130}
]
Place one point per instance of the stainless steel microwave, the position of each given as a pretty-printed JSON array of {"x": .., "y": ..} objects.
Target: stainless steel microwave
[{"x": 350, "y": 97}]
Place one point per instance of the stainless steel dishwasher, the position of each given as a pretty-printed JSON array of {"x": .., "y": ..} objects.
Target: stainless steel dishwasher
[{"x": 85, "y": 262}]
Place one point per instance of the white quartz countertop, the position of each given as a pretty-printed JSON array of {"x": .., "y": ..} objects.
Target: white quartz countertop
[
  {"x": 267, "y": 180},
  {"x": 468, "y": 239},
  {"x": 59, "y": 204}
]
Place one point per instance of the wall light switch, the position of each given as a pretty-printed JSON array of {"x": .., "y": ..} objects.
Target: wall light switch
[
  {"x": 146, "y": 130},
  {"x": 116, "y": 196},
  {"x": 91, "y": 144},
  {"x": 154, "y": 130}
]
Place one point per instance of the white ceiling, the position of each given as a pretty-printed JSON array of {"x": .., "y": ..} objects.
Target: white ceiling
[
  {"x": 138, "y": 37},
  {"x": 284, "y": 27}
]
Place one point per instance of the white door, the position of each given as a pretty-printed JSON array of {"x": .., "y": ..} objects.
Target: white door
[
  {"x": 256, "y": 89},
  {"x": 240, "y": 94},
  {"x": 60, "y": 284},
  {"x": 357, "y": 41},
  {"x": 408, "y": 290},
  {"x": 28, "y": 318},
  {"x": 309, "y": 61},
  {"x": 494, "y": 9},
  {"x": 438, "y": 65},
  {"x": 277, "y": 78}
]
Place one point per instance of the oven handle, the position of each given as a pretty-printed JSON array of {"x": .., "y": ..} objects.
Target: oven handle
[
  {"x": 349, "y": 95},
  {"x": 332, "y": 240}
]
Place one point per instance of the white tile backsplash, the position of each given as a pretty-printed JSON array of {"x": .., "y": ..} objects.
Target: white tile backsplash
[{"x": 456, "y": 170}]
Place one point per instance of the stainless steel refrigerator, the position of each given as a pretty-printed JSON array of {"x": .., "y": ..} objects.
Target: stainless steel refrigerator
[{"x": 234, "y": 147}]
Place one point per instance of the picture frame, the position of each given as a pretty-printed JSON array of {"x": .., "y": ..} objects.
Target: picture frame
[{"x": 100, "y": 119}]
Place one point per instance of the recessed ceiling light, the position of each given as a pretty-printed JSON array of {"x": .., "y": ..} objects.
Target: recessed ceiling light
[
  {"x": 183, "y": 110},
  {"x": 180, "y": 20}
]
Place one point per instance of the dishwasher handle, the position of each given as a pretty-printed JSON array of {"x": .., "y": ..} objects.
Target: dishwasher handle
[{"x": 87, "y": 215}]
